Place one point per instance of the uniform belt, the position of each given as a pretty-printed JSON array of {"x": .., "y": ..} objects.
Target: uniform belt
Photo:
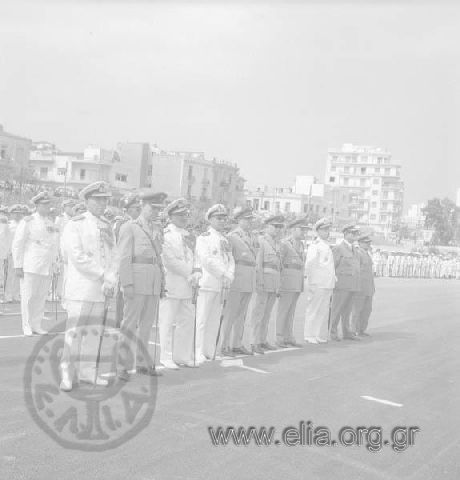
[
  {"x": 273, "y": 266},
  {"x": 245, "y": 262},
  {"x": 145, "y": 260},
  {"x": 294, "y": 266}
]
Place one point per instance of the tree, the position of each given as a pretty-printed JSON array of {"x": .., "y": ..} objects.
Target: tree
[{"x": 443, "y": 216}]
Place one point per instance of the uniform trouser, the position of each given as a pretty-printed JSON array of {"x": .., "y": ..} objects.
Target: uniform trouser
[
  {"x": 119, "y": 306},
  {"x": 234, "y": 318},
  {"x": 317, "y": 313},
  {"x": 34, "y": 291},
  {"x": 3, "y": 267},
  {"x": 287, "y": 303},
  {"x": 263, "y": 307},
  {"x": 12, "y": 286},
  {"x": 208, "y": 312},
  {"x": 139, "y": 314},
  {"x": 177, "y": 317},
  {"x": 362, "y": 309},
  {"x": 82, "y": 338},
  {"x": 342, "y": 304}
]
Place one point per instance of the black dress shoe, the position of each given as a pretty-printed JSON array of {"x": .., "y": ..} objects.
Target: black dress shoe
[
  {"x": 242, "y": 351},
  {"x": 258, "y": 349},
  {"x": 267, "y": 346},
  {"x": 150, "y": 371},
  {"x": 351, "y": 337},
  {"x": 123, "y": 375}
]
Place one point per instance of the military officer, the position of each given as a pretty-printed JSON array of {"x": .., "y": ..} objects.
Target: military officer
[
  {"x": 182, "y": 277},
  {"x": 362, "y": 303},
  {"x": 12, "y": 287},
  {"x": 143, "y": 284},
  {"x": 89, "y": 245},
  {"x": 214, "y": 256},
  {"x": 61, "y": 221},
  {"x": 35, "y": 251},
  {"x": 292, "y": 254},
  {"x": 268, "y": 264},
  {"x": 240, "y": 293},
  {"x": 347, "y": 270},
  {"x": 320, "y": 273},
  {"x": 131, "y": 210},
  {"x": 5, "y": 247}
]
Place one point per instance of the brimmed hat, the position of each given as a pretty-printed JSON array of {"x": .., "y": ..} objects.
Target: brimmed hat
[
  {"x": 216, "y": 210},
  {"x": 42, "y": 197},
  {"x": 16, "y": 208},
  {"x": 243, "y": 212},
  {"x": 96, "y": 189},
  {"x": 350, "y": 227},
  {"x": 156, "y": 199},
  {"x": 323, "y": 223},
  {"x": 130, "y": 200},
  {"x": 70, "y": 202},
  {"x": 299, "y": 222},
  {"x": 275, "y": 220},
  {"x": 179, "y": 206}
]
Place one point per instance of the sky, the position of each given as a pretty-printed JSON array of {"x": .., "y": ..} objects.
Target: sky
[{"x": 268, "y": 85}]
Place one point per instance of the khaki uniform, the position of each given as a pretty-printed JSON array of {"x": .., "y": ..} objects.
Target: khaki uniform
[
  {"x": 139, "y": 248},
  {"x": 347, "y": 270},
  {"x": 268, "y": 284},
  {"x": 291, "y": 285},
  {"x": 362, "y": 303},
  {"x": 241, "y": 289}
]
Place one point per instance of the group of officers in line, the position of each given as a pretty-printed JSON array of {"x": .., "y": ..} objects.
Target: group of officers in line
[
  {"x": 196, "y": 291},
  {"x": 416, "y": 265}
]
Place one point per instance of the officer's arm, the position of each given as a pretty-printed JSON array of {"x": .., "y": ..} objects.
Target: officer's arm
[
  {"x": 312, "y": 259},
  {"x": 18, "y": 244},
  {"x": 260, "y": 265},
  {"x": 173, "y": 261},
  {"x": 125, "y": 249},
  {"x": 337, "y": 254},
  {"x": 83, "y": 262},
  {"x": 210, "y": 258}
]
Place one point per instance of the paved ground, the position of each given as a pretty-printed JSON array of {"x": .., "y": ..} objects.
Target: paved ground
[{"x": 412, "y": 360}]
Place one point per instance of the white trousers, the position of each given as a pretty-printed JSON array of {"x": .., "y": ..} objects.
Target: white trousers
[
  {"x": 208, "y": 312},
  {"x": 317, "y": 313},
  {"x": 12, "y": 285},
  {"x": 177, "y": 317},
  {"x": 34, "y": 291},
  {"x": 82, "y": 339}
]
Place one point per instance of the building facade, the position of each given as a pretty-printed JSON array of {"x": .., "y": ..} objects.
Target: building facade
[
  {"x": 192, "y": 176},
  {"x": 374, "y": 182},
  {"x": 14, "y": 155},
  {"x": 306, "y": 198}
]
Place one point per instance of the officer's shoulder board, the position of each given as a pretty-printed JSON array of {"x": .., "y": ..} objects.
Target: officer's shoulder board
[
  {"x": 77, "y": 218},
  {"x": 28, "y": 218},
  {"x": 205, "y": 234}
]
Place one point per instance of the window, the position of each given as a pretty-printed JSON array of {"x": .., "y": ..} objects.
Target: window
[
  {"x": 266, "y": 205},
  {"x": 82, "y": 174},
  {"x": 373, "y": 204},
  {"x": 346, "y": 170},
  {"x": 346, "y": 181},
  {"x": 363, "y": 170},
  {"x": 305, "y": 208},
  {"x": 324, "y": 209},
  {"x": 248, "y": 203},
  {"x": 43, "y": 172},
  {"x": 379, "y": 160},
  {"x": 375, "y": 193},
  {"x": 119, "y": 177},
  {"x": 331, "y": 179},
  {"x": 149, "y": 171},
  {"x": 377, "y": 170},
  {"x": 333, "y": 169},
  {"x": 190, "y": 171},
  {"x": 376, "y": 181},
  {"x": 362, "y": 182},
  {"x": 61, "y": 172},
  {"x": 354, "y": 159},
  {"x": 386, "y": 161},
  {"x": 255, "y": 204},
  {"x": 383, "y": 218},
  {"x": 363, "y": 159},
  {"x": 387, "y": 171},
  {"x": 277, "y": 206},
  {"x": 287, "y": 207},
  {"x": 317, "y": 208},
  {"x": 384, "y": 205},
  {"x": 373, "y": 216},
  {"x": 3, "y": 152}
]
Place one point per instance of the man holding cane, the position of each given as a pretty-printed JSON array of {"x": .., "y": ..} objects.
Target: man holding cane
[
  {"x": 215, "y": 257},
  {"x": 91, "y": 278}
]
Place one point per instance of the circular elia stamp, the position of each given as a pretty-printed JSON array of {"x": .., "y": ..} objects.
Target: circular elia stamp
[{"x": 90, "y": 417}]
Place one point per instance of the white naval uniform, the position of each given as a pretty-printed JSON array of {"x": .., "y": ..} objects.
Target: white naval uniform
[
  {"x": 12, "y": 280},
  {"x": 215, "y": 258},
  {"x": 88, "y": 244},
  {"x": 5, "y": 249},
  {"x": 176, "y": 308},
  {"x": 61, "y": 222},
  {"x": 320, "y": 272},
  {"x": 34, "y": 249}
]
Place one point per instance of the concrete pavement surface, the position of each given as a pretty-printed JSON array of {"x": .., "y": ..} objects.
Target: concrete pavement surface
[{"x": 405, "y": 375}]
